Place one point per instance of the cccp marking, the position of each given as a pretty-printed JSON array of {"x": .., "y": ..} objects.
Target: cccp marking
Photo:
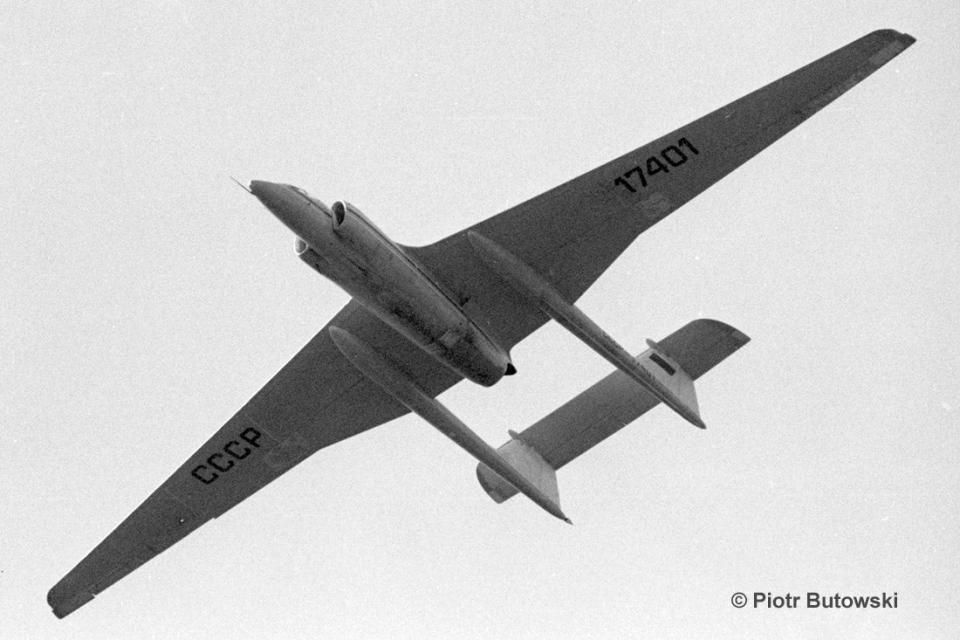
[{"x": 230, "y": 453}]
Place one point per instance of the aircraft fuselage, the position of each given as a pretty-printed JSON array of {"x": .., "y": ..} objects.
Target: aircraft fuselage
[{"x": 343, "y": 245}]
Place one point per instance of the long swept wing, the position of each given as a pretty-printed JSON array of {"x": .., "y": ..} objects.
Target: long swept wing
[
  {"x": 317, "y": 399},
  {"x": 572, "y": 233}
]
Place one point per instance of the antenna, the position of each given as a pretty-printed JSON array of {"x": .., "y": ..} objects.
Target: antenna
[{"x": 241, "y": 185}]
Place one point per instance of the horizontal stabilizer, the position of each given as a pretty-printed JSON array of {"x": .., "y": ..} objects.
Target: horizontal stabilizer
[{"x": 616, "y": 401}]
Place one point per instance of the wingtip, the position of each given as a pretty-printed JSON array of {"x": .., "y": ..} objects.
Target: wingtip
[
  {"x": 893, "y": 34},
  {"x": 64, "y": 607}
]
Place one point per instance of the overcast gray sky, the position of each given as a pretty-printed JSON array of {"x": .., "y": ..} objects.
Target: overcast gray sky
[{"x": 146, "y": 298}]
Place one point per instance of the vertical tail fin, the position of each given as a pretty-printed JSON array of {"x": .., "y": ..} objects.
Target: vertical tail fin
[
  {"x": 528, "y": 462},
  {"x": 670, "y": 374}
]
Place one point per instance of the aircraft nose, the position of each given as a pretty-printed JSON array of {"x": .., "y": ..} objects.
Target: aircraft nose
[
  {"x": 265, "y": 191},
  {"x": 288, "y": 205},
  {"x": 274, "y": 197}
]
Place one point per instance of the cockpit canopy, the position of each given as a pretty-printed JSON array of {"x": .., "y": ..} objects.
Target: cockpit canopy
[{"x": 309, "y": 197}]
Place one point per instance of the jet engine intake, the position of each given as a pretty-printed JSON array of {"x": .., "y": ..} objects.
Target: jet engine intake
[
  {"x": 357, "y": 233},
  {"x": 344, "y": 212}
]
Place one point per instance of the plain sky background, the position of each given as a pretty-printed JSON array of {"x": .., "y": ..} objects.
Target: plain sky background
[{"x": 146, "y": 297}]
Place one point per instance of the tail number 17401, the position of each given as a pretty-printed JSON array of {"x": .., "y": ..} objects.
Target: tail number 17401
[{"x": 672, "y": 156}]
